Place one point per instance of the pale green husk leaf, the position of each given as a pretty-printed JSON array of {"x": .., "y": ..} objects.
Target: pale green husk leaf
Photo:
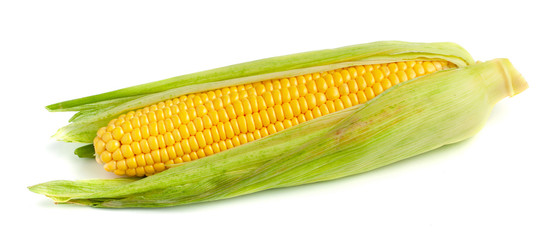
[{"x": 96, "y": 111}]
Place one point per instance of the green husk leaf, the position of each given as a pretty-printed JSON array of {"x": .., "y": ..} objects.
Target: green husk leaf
[
  {"x": 367, "y": 51},
  {"x": 97, "y": 110},
  {"x": 86, "y": 151},
  {"x": 408, "y": 119},
  {"x": 62, "y": 190},
  {"x": 93, "y": 108}
]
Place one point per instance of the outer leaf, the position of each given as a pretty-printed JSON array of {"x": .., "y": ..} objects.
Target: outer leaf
[
  {"x": 86, "y": 151},
  {"x": 94, "y": 114},
  {"x": 367, "y": 51}
]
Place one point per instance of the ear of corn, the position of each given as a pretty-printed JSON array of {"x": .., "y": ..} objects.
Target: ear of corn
[
  {"x": 408, "y": 119},
  {"x": 96, "y": 111}
]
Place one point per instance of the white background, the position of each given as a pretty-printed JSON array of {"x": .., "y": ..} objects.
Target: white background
[{"x": 492, "y": 186}]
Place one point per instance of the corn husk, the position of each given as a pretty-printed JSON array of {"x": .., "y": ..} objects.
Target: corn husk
[{"x": 410, "y": 118}]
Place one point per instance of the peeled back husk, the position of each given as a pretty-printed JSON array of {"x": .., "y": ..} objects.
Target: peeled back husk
[{"x": 410, "y": 118}]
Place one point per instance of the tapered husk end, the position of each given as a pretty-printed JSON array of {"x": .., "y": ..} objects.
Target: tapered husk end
[
  {"x": 501, "y": 79},
  {"x": 516, "y": 81}
]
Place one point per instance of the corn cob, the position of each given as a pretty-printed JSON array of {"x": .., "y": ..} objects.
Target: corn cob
[
  {"x": 189, "y": 127},
  {"x": 374, "y": 104}
]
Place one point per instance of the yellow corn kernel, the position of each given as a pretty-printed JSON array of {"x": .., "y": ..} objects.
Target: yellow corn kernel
[
  {"x": 332, "y": 93},
  {"x": 324, "y": 109},
  {"x": 329, "y": 80},
  {"x": 346, "y": 101},
  {"x": 136, "y": 148},
  {"x": 117, "y": 133},
  {"x": 235, "y": 126},
  {"x": 353, "y": 98},
  {"x": 377, "y": 87},
  {"x": 393, "y": 79},
  {"x": 343, "y": 89},
  {"x": 337, "y": 105},
  {"x": 112, "y": 145},
  {"x": 352, "y": 86},
  {"x": 338, "y": 79},
  {"x": 106, "y": 157},
  {"x": 126, "y": 151},
  {"x": 321, "y": 98},
  {"x": 419, "y": 69},
  {"x": 369, "y": 79},
  {"x": 131, "y": 162},
  {"x": 385, "y": 84},
  {"x": 361, "y": 97},
  {"x": 110, "y": 166},
  {"x": 378, "y": 75},
  {"x": 311, "y": 86},
  {"x": 321, "y": 85}
]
